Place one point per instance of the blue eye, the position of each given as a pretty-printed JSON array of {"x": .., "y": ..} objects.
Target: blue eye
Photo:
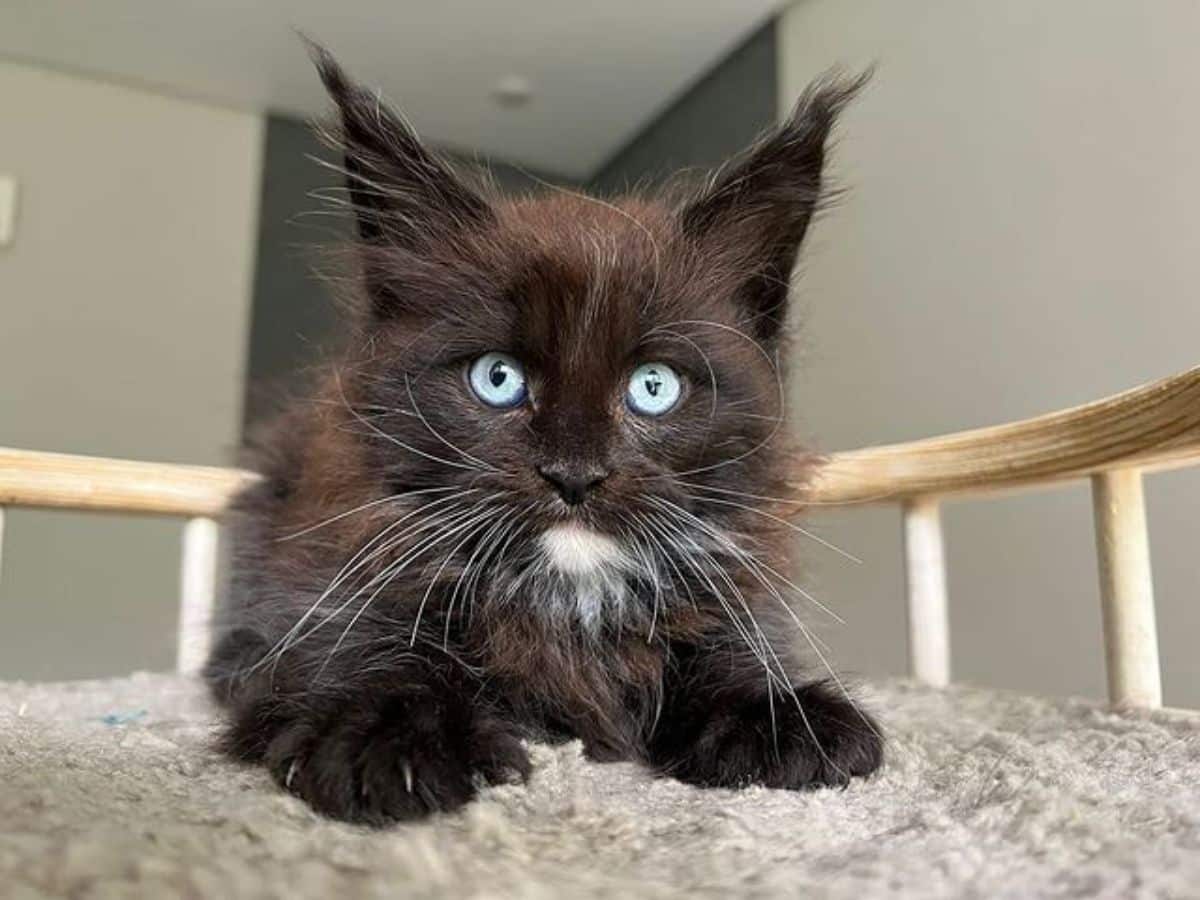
[
  {"x": 654, "y": 389},
  {"x": 498, "y": 380}
]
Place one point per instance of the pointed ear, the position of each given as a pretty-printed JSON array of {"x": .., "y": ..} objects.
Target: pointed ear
[
  {"x": 759, "y": 206},
  {"x": 403, "y": 194}
]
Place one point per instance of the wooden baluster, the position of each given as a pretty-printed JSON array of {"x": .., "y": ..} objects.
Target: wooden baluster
[
  {"x": 1126, "y": 589},
  {"x": 928, "y": 610},
  {"x": 198, "y": 593}
]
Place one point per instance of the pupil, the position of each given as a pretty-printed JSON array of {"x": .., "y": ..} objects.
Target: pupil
[
  {"x": 497, "y": 376},
  {"x": 653, "y": 384}
]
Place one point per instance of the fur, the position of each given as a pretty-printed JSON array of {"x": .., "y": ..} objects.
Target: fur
[{"x": 412, "y": 595}]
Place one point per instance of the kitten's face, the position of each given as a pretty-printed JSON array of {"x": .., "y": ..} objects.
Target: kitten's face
[
  {"x": 584, "y": 365},
  {"x": 600, "y": 381}
]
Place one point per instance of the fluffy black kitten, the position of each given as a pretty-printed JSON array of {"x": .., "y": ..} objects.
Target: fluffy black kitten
[{"x": 542, "y": 495}]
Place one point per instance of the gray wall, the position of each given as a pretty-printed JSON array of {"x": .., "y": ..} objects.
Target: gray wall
[
  {"x": 714, "y": 118},
  {"x": 293, "y": 315},
  {"x": 123, "y": 300},
  {"x": 1020, "y": 235}
]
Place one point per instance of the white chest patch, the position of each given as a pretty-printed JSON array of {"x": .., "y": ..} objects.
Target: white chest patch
[
  {"x": 586, "y": 572},
  {"x": 578, "y": 550}
]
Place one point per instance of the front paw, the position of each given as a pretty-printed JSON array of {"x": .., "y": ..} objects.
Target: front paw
[
  {"x": 818, "y": 738},
  {"x": 387, "y": 759}
]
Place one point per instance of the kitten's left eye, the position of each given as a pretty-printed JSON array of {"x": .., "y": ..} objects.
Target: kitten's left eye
[
  {"x": 498, "y": 380},
  {"x": 653, "y": 390}
]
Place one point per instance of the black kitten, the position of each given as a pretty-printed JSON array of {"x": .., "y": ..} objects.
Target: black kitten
[{"x": 542, "y": 495}]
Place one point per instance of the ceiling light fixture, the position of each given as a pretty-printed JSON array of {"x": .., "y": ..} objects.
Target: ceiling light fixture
[{"x": 512, "y": 91}]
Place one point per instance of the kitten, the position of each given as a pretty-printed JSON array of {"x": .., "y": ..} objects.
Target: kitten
[{"x": 543, "y": 495}]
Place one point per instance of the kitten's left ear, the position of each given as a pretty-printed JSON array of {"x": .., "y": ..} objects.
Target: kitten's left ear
[
  {"x": 403, "y": 194},
  {"x": 760, "y": 205}
]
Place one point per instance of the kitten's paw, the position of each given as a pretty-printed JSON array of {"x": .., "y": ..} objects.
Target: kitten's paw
[
  {"x": 396, "y": 758},
  {"x": 821, "y": 740}
]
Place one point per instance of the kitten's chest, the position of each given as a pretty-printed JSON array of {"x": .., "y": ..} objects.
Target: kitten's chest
[
  {"x": 598, "y": 684},
  {"x": 590, "y": 602}
]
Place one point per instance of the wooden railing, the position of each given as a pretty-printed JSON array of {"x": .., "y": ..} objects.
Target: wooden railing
[
  {"x": 1112, "y": 442},
  {"x": 196, "y": 493}
]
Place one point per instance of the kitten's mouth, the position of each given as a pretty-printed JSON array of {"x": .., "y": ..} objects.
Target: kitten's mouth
[{"x": 577, "y": 549}]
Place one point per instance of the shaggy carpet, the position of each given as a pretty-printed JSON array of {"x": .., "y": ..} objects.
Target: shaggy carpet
[{"x": 110, "y": 789}]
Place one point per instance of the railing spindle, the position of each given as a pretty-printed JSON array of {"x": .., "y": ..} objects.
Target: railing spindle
[
  {"x": 198, "y": 593},
  {"x": 1126, "y": 589},
  {"x": 928, "y": 609}
]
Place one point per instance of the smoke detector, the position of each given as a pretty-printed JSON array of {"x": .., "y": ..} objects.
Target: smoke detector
[{"x": 512, "y": 91}]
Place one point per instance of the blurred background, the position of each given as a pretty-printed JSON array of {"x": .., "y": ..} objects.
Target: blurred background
[{"x": 1020, "y": 234}]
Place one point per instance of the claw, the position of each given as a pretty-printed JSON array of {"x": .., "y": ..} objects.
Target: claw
[
  {"x": 291, "y": 774},
  {"x": 408, "y": 777}
]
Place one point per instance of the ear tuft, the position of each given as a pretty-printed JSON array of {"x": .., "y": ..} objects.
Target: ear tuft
[
  {"x": 761, "y": 204},
  {"x": 403, "y": 194},
  {"x": 332, "y": 75}
]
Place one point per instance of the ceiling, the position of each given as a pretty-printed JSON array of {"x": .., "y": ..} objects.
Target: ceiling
[{"x": 598, "y": 70}]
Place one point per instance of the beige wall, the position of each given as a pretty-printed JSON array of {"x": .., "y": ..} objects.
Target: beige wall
[
  {"x": 1022, "y": 234},
  {"x": 123, "y": 308}
]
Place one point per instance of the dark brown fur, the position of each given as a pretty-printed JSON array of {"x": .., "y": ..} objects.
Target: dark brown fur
[{"x": 392, "y": 692}]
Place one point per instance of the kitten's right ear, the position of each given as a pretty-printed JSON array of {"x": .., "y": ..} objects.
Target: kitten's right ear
[
  {"x": 761, "y": 205},
  {"x": 403, "y": 194}
]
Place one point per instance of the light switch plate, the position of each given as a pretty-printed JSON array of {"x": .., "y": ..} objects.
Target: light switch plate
[{"x": 8, "y": 209}]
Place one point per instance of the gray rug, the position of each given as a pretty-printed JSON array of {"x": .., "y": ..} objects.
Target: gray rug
[{"x": 109, "y": 789}]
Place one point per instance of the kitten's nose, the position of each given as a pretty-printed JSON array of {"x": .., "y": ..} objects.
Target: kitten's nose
[{"x": 573, "y": 481}]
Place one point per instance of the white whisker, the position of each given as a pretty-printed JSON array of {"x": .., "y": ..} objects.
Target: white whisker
[
  {"x": 774, "y": 518},
  {"x": 360, "y": 559},
  {"x": 376, "y": 430},
  {"x": 782, "y": 402},
  {"x": 751, "y": 563},
  {"x": 391, "y": 498},
  {"x": 437, "y": 434}
]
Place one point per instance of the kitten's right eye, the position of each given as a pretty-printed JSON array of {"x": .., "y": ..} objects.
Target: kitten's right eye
[{"x": 498, "y": 380}]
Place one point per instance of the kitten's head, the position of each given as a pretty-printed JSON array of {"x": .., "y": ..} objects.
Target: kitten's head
[{"x": 603, "y": 377}]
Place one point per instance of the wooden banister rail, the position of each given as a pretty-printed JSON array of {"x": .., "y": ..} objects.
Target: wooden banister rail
[
  {"x": 60, "y": 480},
  {"x": 1154, "y": 426},
  {"x": 197, "y": 493},
  {"x": 1111, "y": 441}
]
